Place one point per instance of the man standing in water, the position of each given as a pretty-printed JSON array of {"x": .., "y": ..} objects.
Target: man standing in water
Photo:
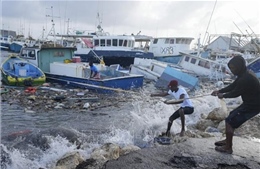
[
  {"x": 247, "y": 86},
  {"x": 185, "y": 103}
]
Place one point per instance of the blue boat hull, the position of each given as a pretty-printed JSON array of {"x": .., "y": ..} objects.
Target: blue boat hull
[
  {"x": 18, "y": 72},
  {"x": 124, "y": 58},
  {"x": 184, "y": 79},
  {"x": 6, "y": 46},
  {"x": 101, "y": 86},
  {"x": 169, "y": 59},
  {"x": 255, "y": 67},
  {"x": 14, "y": 47}
]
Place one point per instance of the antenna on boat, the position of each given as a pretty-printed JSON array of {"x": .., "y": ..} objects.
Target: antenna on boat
[
  {"x": 53, "y": 26},
  {"x": 209, "y": 23},
  {"x": 68, "y": 27},
  {"x": 43, "y": 30}
]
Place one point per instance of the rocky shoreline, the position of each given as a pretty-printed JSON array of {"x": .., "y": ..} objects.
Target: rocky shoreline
[
  {"x": 194, "y": 150},
  {"x": 193, "y": 153},
  {"x": 183, "y": 153}
]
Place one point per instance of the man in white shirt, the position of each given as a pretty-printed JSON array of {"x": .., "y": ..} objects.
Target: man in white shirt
[{"x": 184, "y": 101}]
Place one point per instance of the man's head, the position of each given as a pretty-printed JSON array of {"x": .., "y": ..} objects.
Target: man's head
[
  {"x": 173, "y": 85},
  {"x": 237, "y": 65},
  {"x": 90, "y": 63}
]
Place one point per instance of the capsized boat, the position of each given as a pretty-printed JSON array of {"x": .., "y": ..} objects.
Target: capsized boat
[
  {"x": 61, "y": 66},
  {"x": 19, "y": 72}
]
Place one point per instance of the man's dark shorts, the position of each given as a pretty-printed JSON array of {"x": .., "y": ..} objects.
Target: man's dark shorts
[
  {"x": 176, "y": 114},
  {"x": 240, "y": 115}
]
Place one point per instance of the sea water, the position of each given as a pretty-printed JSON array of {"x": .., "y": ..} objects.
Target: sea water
[{"x": 134, "y": 122}]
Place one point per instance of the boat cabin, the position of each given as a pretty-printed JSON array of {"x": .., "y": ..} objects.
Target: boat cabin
[
  {"x": 204, "y": 67},
  {"x": 113, "y": 42},
  {"x": 43, "y": 57},
  {"x": 170, "y": 46}
]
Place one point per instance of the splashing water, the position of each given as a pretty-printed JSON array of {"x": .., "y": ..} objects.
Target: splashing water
[{"x": 137, "y": 122}]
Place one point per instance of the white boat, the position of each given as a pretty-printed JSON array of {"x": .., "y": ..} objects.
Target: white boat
[
  {"x": 113, "y": 49},
  {"x": 60, "y": 66},
  {"x": 163, "y": 72},
  {"x": 167, "y": 49},
  {"x": 203, "y": 67},
  {"x": 5, "y": 42}
]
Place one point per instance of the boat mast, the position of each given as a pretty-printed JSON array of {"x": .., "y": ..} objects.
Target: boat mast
[
  {"x": 52, "y": 31},
  {"x": 209, "y": 23}
]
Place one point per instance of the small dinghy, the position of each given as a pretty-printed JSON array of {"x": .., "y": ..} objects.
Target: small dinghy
[{"x": 19, "y": 72}]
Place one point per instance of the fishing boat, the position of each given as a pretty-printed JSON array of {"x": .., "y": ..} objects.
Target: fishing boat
[
  {"x": 204, "y": 67},
  {"x": 255, "y": 66},
  {"x": 167, "y": 49},
  {"x": 5, "y": 42},
  {"x": 162, "y": 73},
  {"x": 114, "y": 49},
  {"x": 19, "y": 72},
  {"x": 61, "y": 65}
]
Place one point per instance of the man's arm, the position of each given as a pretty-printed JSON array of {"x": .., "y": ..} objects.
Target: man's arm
[
  {"x": 181, "y": 99},
  {"x": 229, "y": 87},
  {"x": 159, "y": 94}
]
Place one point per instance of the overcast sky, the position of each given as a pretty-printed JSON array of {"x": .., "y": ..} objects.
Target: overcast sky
[{"x": 153, "y": 18}]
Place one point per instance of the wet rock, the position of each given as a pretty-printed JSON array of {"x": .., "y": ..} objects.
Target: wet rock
[
  {"x": 5, "y": 158},
  {"x": 219, "y": 114},
  {"x": 26, "y": 139},
  {"x": 106, "y": 152},
  {"x": 193, "y": 153},
  {"x": 88, "y": 164},
  {"x": 69, "y": 161},
  {"x": 203, "y": 124},
  {"x": 128, "y": 149}
]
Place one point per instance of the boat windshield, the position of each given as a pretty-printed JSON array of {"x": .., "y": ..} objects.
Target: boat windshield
[{"x": 114, "y": 42}]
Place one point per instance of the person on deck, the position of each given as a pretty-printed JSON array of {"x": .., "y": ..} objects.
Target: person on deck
[
  {"x": 247, "y": 86},
  {"x": 94, "y": 72},
  {"x": 185, "y": 103}
]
